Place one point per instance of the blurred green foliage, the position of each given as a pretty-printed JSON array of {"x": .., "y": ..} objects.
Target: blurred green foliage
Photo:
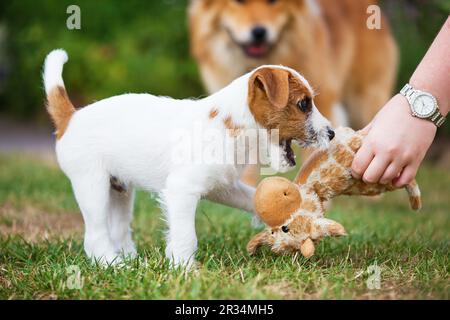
[
  {"x": 415, "y": 23},
  {"x": 142, "y": 46},
  {"x": 123, "y": 46}
]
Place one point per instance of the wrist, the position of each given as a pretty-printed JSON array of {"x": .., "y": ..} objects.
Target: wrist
[
  {"x": 421, "y": 125},
  {"x": 436, "y": 91}
]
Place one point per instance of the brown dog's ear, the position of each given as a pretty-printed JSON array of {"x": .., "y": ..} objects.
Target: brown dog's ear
[
  {"x": 275, "y": 83},
  {"x": 307, "y": 248},
  {"x": 325, "y": 227},
  {"x": 256, "y": 242}
]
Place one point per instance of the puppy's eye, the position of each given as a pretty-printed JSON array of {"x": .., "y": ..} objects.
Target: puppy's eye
[
  {"x": 240, "y": 1},
  {"x": 271, "y": 1},
  {"x": 305, "y": 104},
  {"x": 285, "y": 229}
]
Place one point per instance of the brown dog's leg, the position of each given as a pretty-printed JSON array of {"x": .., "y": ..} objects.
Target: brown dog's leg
[{"x": 372, "y": 76}]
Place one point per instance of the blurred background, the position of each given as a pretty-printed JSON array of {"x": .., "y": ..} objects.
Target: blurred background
[{"x": 137, "y": 46}]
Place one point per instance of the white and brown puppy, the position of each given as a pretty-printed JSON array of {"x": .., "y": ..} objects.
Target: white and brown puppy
[{"x": 111, "y": 147}]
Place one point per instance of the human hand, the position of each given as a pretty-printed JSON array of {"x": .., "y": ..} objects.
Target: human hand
[{"x": 395, "y": 145}]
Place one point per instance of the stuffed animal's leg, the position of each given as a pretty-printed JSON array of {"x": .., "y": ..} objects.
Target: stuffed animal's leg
[{"x": 415, "y": 201}]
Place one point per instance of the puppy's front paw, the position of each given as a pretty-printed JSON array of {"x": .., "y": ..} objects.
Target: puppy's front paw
[
  {"x": 107, "y": 259},
  {"x": 102, "y": 253},
  {"x": 189, "y": 264}
]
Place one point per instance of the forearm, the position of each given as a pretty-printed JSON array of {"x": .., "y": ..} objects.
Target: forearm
[{"x": 433, "y": 72}]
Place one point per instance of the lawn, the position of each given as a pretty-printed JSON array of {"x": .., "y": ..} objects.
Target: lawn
[{"x": 41, "y": 244}]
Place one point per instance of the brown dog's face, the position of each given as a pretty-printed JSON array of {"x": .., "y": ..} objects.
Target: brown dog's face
[
  {"x": 297, "y": 234},
  {"x": 280, "y": 98},
  {"x": 256, "y": 25}
]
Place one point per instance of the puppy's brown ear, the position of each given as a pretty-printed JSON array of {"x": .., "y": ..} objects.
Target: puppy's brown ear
[
  {"x": 274, "y": 82},
  {"x": 256, "y": 242}
]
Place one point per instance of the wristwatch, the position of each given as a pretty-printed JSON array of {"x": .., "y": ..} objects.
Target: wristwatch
[{"x": 423, "y": 105}]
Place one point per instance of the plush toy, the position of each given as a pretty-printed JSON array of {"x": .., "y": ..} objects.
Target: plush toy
[{"x": 294, "y": 211}]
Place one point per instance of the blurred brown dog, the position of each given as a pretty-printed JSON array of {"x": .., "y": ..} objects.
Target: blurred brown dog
[
  {"x": 328, "y": 41},
  {"x": 352, "y": 67}
]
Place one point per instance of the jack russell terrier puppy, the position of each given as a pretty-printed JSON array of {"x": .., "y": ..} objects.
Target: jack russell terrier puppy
[{"x": 113, "y": 146}]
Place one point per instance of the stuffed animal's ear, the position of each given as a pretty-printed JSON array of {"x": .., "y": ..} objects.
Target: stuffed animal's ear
[
  {"x": 307, "y": 248},
  {"x": 257, "y": 241},
  {"x": 274, "y": 82},
  {"x": 325, "y": 227}
]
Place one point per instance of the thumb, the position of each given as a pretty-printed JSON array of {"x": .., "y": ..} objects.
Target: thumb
[{"x": 367, "y": 128}]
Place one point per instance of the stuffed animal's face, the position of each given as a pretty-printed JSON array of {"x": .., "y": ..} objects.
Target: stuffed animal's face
[
  {"x": 297, "y": 234},
  {"x": 292, "y": 226}
]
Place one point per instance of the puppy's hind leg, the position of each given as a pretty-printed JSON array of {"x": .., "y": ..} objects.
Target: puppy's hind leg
[
  {"x": 92, "y": 192},
  {"x": 121, "y": 213}
]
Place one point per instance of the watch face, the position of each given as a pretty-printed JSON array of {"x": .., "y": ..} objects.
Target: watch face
[{"x": 424, "y": 105}]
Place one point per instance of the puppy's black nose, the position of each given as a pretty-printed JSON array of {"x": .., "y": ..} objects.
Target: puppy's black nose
[
  {"x": 330, "y": 134},
  {"x": 259, "y": 34}
]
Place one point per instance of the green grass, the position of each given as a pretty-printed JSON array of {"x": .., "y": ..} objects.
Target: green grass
[{"x": 41, "y": 236}]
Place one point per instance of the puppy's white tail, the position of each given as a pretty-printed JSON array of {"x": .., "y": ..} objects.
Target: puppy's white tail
[
  {"x": 59, "y": 105},
  {"x": 53, "y": 68}
]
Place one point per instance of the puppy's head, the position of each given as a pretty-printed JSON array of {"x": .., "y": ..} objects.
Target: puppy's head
[
  {"x": 280, "y": 98},
  {"x": 256, "y": 25}
]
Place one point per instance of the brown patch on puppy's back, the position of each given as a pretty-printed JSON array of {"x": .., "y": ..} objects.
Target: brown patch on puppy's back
[
  {"x": 213, "y": 113},
  {"x": 235, "y": 129}
]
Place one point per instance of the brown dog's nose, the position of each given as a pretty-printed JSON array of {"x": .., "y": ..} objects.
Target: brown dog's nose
[
  {"x": 259, "y": 34},
  {"x": 331, "y": 134}
]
